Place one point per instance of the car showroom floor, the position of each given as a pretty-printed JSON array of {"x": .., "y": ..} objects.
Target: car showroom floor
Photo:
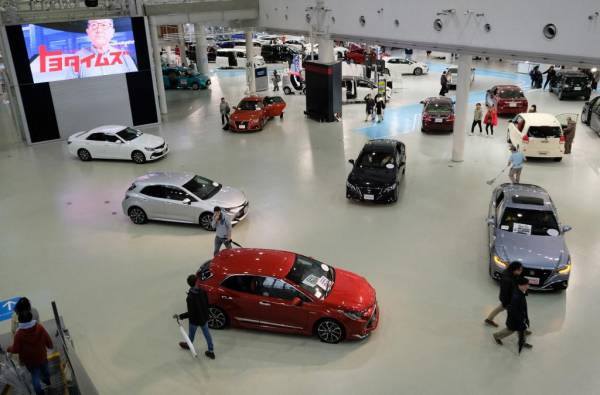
[{"x": 117, "y": 285}]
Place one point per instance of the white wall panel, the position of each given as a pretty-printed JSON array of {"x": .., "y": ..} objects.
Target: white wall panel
[{"x": 82, "y": 104}]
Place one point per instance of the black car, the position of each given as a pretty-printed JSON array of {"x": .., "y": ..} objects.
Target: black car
[
  {"x": 377, "y": 172},
  {"x": 571, "y": 83},
  {"x": 591, "y": 114},
  {"x": 277, "y": 53}
]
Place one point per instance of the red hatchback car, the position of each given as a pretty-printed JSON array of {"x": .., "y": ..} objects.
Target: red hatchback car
[
  {"x": 508, "y": 99},
  {"x": 253, "y": 112},
  {"x": 285, "y": 292},
  {"x": 438, "y": 114}
]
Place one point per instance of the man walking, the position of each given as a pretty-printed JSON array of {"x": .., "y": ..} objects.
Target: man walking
[
  {"x": 516, "y": 161},
  {"x": 550, "y": 77},
  {"x": 477, "y": 117},
  {"x": 275, "y": 80},
  {"x": 369, "y": 105},
  {"x": 222, "y": 226},
  {"x": 517, "y": 319},
  {"x": 508, "y": 285},
  {"x": 444, "y": 83},
  {"x": 569, "y": 134},
  {"x": 197, "y": 315},
  {"x": 224, "y": 110},
  {"x": 379, "y": 107},
  {"x": 31, "y": 342}
]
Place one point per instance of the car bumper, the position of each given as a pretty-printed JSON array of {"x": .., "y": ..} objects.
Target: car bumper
[
  {"x": 571, "y": 93},
  {"x": 511, "y": 110},
  {"x": 235, "y": 127},
  {"x": 548, "y": 279},
  {"x": 241, "y": 214},
  {"x": 378, "y": 195},
  {"x": 543, "y": 154},
  {"x": 358, "y": 330},
  {"x": 437, "y": 127},
  {"x": 154, "y": 155}
]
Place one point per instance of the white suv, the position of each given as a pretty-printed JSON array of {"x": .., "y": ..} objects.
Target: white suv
[{"x": 537, "y": 135}]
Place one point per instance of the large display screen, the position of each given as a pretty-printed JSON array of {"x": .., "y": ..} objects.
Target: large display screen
[{"x": 80, "y": 49}]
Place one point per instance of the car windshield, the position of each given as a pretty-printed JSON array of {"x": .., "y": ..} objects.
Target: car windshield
[
  {"x": 375, "y": 159},
  {"x": 544, "y": 131},
  {"x": 248, "y": 105},
  {"x": 129, "y": 134},
  {"x": 510, "y": 94},
  {"x": 202, "y": 187},
  {"x": 438, "y": 107},
  {"x": 576, "y": 80},
  {"x": 529, "y": 222},
  {"x": 315, "y": 277}
]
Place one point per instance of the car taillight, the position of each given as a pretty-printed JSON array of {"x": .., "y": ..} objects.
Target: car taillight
[
  {"x": 426, "y": 117},
  {"x": 562, "y": 139},
  {"x": 450, "y": 117},
  {"x": 526, "y": 139}
]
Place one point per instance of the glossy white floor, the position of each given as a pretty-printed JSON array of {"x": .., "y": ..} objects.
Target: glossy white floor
[{"x": 65, "y": 238}]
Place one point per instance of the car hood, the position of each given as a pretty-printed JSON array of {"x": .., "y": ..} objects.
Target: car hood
[
  {"x": 148, "y": 140},
  {"x": 541, "y": 252},
  {"x": 350, "y": 292},
  {"x": 228, "y": 197},
  {"x": 245, "y": 115},
  {"x": 375, "y": 178}
]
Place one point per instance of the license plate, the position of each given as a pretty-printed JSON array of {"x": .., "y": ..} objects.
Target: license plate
[
  {"x": 533, "y": 280},
  {"x": 543, "y": 153},
  {"x": 512, "y": 104},
  {"x": 183, "y": 82},
  {"x": 439, "y": 120},
  {"x": 369, "y": 197},
  {"x": 577, "y": 88},
  {"x": 242, "y": 126}
]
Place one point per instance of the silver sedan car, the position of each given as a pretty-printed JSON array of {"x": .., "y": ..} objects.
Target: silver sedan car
[
  {"x": 523, "y": 226},
  {"x": 182, "y": 197}
]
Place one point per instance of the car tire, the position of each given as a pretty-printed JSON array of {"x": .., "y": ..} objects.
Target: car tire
[
  {"x": 329, "y": 331},
  {"x": 287, "y": 90},
  {"x": 560, "y": 95},
  {"x": 205, "y": 221},
  {"x": 396, "y": 192},
  {"x": 84, "y": 155},
  {"x": 195, "y": 86},
  {"x": 138, "y": 157},
  {"x": 404, "y": 170},
  {"x": 508, "y": 138},
  {"x": 217, "y": 318},
  {"x": 587, "y": 98},
  {"x": 557, "y": 159},
  {"x": 281, "y": 116},
  {"x": 418, "y": 71},
  {"x": 137, "y": 215}
]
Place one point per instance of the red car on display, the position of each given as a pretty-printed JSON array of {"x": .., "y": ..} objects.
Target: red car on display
[
  {"x": 253, "y": 112},
  {"x": 281, "y": 291},
  {"x": 438, "y": 114},
  {"x": 508, "y": 99}
]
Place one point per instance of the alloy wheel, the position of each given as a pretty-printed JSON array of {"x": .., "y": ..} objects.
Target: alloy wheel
[
  {"x": 329, "y": 331},
  {"x": 418, "y": 71},
  {"x": 206, "y": 221},
  {"x": 84, "y": 155},
  {"x": 216, "y": 318},
  {"x": 137, "y": 216},
  {"x": 138, "y": 157}
]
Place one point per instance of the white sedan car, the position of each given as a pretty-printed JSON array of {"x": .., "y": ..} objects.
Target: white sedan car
[
  {"x": 117, "y": 142},
  {"x": 399, "y": 66}
]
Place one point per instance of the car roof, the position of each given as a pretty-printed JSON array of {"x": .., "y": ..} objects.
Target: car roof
[
  {"x": 254, "y": 262},
  {"x": 572, "y": 73},
  {"x": 438, "y": 99},
  {"x": 253, "y": 98},
  {"x": 540, "y": 119},
  {"x": 166, "y": 178},
  {"x": 509, "y": 87},
  {"x": 382, "y": 143},
  {"x": 524, "y": 196},
  {"x": 108, "y": 129}
]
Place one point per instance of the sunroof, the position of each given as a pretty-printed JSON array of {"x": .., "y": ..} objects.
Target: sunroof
[{"x": 528, "y": 200}]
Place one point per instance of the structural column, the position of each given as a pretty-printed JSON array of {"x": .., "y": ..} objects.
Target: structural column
[
  {"x": 201, "y": 48},
  {"x": 160, "y": 86},
  {"x": 325, "y": 48},
  {"x": 250, "y": 63},
  {"x": 182, "y": 47},
  {"x": 463, "y": 84}
]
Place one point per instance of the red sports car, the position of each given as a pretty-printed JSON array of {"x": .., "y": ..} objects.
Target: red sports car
[
  {"x": 253, "y": 112},
  {"x": 438, "y": 114},
  {"x": 282, "y": 291},
  {"x": 508, "y": 99}
]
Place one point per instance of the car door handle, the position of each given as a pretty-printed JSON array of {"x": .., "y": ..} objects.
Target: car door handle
[
  {"x": 262, "y": 303},
  {"x": 226, "y": 297}
]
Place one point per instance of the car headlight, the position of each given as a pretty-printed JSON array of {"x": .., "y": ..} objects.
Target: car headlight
[
  {"x": 390, "y": 188},
  {"x": 353, "y": 315},
  {"x": 566, "y": 269},
  {"x": 351, "y": 186},
  {"x": 500, "y": 262},
  {"x": 149, "y": 148}
]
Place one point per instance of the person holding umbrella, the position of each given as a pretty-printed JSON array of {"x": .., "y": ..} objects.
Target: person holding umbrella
[{"x": 518, "y": 318}]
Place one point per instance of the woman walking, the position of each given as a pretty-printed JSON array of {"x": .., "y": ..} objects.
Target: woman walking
[{"x": 490, "y": 120}]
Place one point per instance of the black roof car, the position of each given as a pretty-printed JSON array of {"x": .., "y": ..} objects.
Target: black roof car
[
  {"x": 377, "y": 172},
  {"x": 571, "y": 83}
]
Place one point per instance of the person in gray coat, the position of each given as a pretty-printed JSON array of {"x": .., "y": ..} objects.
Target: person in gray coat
[
  {"x": 222, "y": 226},
  {"x": 224, "y": 110}
]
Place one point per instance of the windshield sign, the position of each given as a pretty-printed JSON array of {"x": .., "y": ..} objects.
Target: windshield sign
[{"x": 529, "y": 222}]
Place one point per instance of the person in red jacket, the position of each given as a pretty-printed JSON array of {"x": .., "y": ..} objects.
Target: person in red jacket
[
  {"x": 31, "y": 342},
  {"x": 490, "y": 120}
]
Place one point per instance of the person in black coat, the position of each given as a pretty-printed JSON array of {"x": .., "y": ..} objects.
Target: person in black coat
[
  {"x": 508, "y": 284},
  {"x": 197, "y": 315},
  {"x": 379, "y": 107},
  {"x": 517, "y": 319},
  {"x": 444, "y": 83},
  {"x": 369, "y": 105},
  {"x": 550, "y": 77}
]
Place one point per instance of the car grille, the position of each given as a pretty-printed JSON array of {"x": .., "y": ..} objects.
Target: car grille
[
  {"x": 370, "y": 191},
  {"x": 542, "y": 274},
  {"x": 242, "y": 123},
  {"x": 160, "y": 146}
]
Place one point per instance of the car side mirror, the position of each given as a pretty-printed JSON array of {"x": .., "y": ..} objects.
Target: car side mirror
[
  {"x": 566, "y": 228},
  {"x": 296, "y": 301},
  {"x": 490, "y": 221},
  {"x": 351, "y": 161},
  {"x": 186, "y": 201}
]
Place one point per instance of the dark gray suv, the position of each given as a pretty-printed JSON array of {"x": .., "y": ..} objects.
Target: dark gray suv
[{"x": 523, "y": 226}]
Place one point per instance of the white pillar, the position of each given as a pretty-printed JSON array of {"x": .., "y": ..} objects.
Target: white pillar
[
  {"x": 182, "y": 47},
  {"x": 325, "y": 49},
  {"x": 160, "y": 86},
  {"x": 249, "y": 64},
  {"x": 461, "y": 108},
  {"x": 201, "y": 47}
]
